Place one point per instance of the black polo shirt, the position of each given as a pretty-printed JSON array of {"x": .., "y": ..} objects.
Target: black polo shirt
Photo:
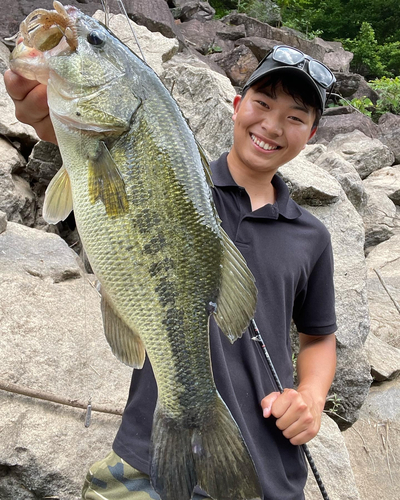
[{"x": 289, "y": 252}]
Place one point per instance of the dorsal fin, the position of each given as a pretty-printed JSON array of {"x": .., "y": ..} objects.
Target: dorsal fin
[
  {"x": 237, "y": 299},
  {"x": 206, "y": 166}
]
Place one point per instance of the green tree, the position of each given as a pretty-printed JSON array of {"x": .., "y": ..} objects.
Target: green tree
[{"x": 366, "y": 59}]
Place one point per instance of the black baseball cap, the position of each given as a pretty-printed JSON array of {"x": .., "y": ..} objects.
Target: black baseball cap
[{"x": 293, "y": 61}]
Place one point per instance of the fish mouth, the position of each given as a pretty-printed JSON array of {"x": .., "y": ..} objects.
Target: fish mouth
[
  {"x": 44, "y": 29},
  {"x": 264, "y": 144},
  {"x": 44, "y": 34}
]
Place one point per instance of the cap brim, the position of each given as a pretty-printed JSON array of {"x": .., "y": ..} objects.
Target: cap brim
[{"x": 262, "y": 72}]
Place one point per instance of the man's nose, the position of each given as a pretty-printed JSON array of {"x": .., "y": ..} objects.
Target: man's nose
[{"x": 272, "y": 125}]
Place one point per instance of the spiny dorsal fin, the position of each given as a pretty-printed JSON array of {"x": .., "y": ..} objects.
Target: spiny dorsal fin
[
  {"x": 237, "y": 297},
  {"x": 125, "y": 343},
  {"x": 206, "y": 166},
  {"x": 106, "y": 183},
  {"x": 58, "y": 198}
]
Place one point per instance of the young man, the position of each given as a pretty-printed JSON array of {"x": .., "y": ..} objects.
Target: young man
[{"x": 289, "y": 252}]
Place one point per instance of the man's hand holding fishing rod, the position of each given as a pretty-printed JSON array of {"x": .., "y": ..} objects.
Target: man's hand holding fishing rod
[{"x": 283, "y": 248}]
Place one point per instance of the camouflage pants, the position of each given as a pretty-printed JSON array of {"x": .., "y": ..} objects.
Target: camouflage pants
[{"x": 113, "y": 479}]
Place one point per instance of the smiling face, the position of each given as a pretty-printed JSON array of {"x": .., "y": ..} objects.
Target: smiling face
[{"x": 270, "y": 129}]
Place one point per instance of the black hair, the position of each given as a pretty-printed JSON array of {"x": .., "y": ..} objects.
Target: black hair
[{"x": 298, "y": 88}]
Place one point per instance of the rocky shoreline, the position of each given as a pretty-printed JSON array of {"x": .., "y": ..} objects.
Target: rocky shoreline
[{"x": 51, "y": 335}]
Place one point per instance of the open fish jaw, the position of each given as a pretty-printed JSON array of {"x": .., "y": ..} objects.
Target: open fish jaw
[{"x": 43, "y": 29}]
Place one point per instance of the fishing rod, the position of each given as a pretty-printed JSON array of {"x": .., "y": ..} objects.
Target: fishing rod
[{"x": 258, "y": 338}]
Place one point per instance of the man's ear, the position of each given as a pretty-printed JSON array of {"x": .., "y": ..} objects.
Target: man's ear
[
  {"x": 236, "y": 102},
  {"x": 313, "y": 132}
]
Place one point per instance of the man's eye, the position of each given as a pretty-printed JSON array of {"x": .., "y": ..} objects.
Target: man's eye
[{"x": 262, "y": 103}]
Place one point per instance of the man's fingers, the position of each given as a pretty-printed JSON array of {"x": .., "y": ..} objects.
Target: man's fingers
[
  {"x": 45, "y": 130},
  {"x": 29, "y": 96},
  {"x": 267, "y": 402},
  {"x": 287, "y": 399},
  {"x": 17, "y": 86},
  {"x": 30, "y": 100}
]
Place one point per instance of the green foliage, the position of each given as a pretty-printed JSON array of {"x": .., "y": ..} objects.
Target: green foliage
[
  {"x": 340, "y": 19},
  {"x": 297, "y": 14},
  {"x": 212, "y": 49},
  {"x": 363, "y": 104},
  {"x": 223, "y": 7},
  {"x": 259, "y": 9},
  {"x": 388, "y": 90},
  {"x": 333, "y": 404},
  {"x": 366, "y": 59},
  {"x": 389, "y": 54}
]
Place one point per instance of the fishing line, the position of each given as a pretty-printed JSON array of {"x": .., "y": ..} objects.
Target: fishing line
[
  {"x": 123, "y": 10},
  {"x": 256, "y": 336},
  {"x": 87, "y": 390}
]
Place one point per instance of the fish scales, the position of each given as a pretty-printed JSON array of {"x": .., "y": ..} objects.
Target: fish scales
[{"x": 140, "y": 192}]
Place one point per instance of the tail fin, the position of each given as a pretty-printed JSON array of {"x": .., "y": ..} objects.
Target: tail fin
[{"x": 214, "y": 457}]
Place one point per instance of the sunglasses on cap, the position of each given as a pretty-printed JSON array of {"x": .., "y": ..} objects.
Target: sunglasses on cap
[
  {"x": 289, "y": 59},
  {"x": 289, "y": 56}
]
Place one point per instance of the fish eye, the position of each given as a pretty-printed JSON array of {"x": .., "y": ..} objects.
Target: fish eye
[{"x": 96, "y": 38}]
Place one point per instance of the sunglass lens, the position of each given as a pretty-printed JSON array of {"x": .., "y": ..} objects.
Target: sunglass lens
[
  {"x": 321, "y": 74},
  {"x": 287, "y": 55}
]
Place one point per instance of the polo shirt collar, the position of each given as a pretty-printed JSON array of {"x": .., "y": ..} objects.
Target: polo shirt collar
[{"x": 286, "y": 206}]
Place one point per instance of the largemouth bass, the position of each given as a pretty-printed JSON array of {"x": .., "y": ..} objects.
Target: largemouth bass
[{"x": 139, "y": 186}]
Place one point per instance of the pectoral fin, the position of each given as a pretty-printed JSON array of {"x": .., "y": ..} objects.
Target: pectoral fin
[
  {"x": 106, "y": 183},
  {"x": 237, "y": 299},
  {"x": 58, "y": 198},
  {"x": 125, "y": 343}
]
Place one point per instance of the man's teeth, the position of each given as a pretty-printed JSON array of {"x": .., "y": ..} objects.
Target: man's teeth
[{"x": 263, "y": 144}]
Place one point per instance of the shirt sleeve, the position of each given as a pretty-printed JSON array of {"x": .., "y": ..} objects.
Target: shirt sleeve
[{"x": 314, "y": 306}]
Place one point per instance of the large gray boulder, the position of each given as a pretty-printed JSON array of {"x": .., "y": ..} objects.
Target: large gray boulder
[
  {"x": 309, "y": 184},
  {"x": 331, "y": 457},
  {"x": 347, "y": 176},
  {"x": 373, "y": 444},
  {"x": 155, "y": 15},
  {"x": 384, "y": 359},
  {"x": 379, "y": 216},
  {"x": 186, "y": 10},
  {"x": 364, "y": 153},
  {"x": 389, "y": 128},
  {"x": 210, "y": 37},
  {"x": 16, "y": 197},
  {"x": 51, "y": 339},
  {"x": 332, "y": 125},
  {"x": 351, "y": 85},
  {"x": 205, "y": 98},
  {"x": 384, "y": 293},
  {"x": 156, "y": 48},
  {"x": 238, "y": 64},
  {"x": 328, "y": 202},
  {"x": 4, "y": 58},
  {"x": 386, "y": 180}
]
